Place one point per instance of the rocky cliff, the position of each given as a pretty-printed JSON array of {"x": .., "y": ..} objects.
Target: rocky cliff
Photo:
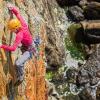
[
  {"x": 85, "y": 31},
  {"x": 45, "y": 19},
  {"x": 49, "y": 19}
]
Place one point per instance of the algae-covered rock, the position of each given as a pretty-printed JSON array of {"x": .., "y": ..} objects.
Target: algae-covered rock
[
  {"x": 74, "y": 41},
  {"x": 75, "y": 32}
]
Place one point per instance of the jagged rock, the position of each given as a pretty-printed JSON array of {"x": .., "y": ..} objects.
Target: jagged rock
[
  {"x": 55, "y": 51},
  {"x": 87, "y": 95},
  {"x": 33, "y": 85},
  {"x": 39, "y": 14},
  {"x": 76, "y": 13},
  {"x": 89, "y": 70},
  {"x": 52, "y": 93},
  {"x": 71, "y": 75},
  {"x": 87, "y": 76},
  {"x": 92, "y": 11}
]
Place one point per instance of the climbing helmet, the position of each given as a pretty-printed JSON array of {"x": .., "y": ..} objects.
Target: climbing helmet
[{"x": 14, "y": 24}]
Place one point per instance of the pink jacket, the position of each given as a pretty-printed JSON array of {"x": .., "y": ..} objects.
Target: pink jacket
[{"x": 22, "y": 36}]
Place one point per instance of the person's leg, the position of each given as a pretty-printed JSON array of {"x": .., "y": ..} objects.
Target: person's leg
[{"x": 20, "y": 66}]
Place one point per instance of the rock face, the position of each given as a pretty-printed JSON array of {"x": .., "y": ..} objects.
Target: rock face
[
  {"x": 79, "y": 10},
  {"x": 87, "y": 77},
  {"x": 56, "y": 28},
  {"x": 44, "y": 18},
  {"x": 34, "y": 85}
]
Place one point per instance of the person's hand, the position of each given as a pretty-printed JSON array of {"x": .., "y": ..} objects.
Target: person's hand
[{"x": 10, "y": 6}]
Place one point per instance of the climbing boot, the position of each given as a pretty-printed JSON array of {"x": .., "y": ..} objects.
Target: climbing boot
[
  {"x": 19, "y": 81},
  {"x": 20, "y": 76}
]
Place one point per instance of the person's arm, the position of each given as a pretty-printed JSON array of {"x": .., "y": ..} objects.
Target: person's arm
[
  {"x": 18, "y": 39},
  {"x": 15, "y": 11}
]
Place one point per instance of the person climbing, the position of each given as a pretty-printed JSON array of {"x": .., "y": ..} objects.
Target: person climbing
[{"x": 24, "y": 37}]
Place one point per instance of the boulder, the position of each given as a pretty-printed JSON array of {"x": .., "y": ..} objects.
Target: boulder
[
  {"x": 75, "y": 13},
  {"x": 92, "y": 11}
]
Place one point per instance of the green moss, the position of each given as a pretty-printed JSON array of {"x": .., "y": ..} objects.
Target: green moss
[
  {"x": 74, "y": 27},
  {"x": 76, "y": 49},
  {"x": 49, "y": 75},
  {"x": 72, "y": 30}
]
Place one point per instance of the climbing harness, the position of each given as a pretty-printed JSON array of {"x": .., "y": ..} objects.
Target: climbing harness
[{"x": 36, "y": 48}]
